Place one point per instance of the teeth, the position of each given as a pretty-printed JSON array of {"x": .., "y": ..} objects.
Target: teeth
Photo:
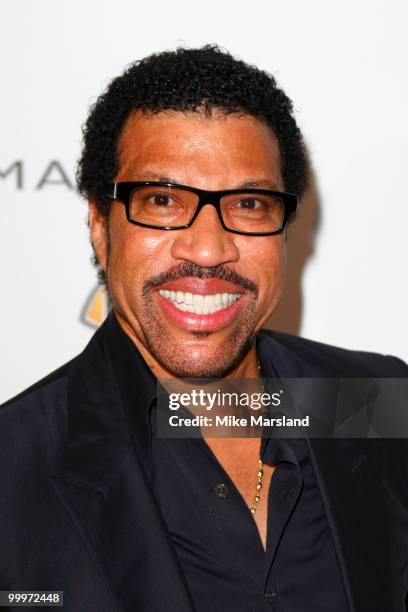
[
  {"x": 198, "y": 300},
  {"x": 200, "y": 304}
]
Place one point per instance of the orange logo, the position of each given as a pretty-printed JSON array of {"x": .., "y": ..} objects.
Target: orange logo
[{"x": 96, "y": 308}]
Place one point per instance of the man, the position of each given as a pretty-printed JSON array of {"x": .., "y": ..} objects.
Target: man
[{"x": 190, "y": 162}]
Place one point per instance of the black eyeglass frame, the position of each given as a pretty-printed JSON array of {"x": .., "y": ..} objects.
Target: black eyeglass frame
[{"x": 122, "y": 192}]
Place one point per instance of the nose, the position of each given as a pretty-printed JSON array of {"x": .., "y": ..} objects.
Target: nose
[{"x": 205, "y": 243}]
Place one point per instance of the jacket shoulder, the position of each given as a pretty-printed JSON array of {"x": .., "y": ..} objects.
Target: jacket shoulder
[
  {"x": 327, "y": 360},
  {"x": 58, "y": 375},
  {"x": 33, "y": 429}
]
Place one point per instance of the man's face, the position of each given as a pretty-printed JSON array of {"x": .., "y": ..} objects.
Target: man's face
[{"x": 214, "y": 153}]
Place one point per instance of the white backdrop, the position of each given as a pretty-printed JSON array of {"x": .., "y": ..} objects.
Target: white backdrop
[{"x": 343, "y": 64}]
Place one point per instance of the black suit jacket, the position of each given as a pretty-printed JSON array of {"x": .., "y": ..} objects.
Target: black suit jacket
[{"x": 77, "y": 513}]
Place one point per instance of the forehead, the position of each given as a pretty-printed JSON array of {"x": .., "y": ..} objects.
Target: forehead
[{"x": 217, "y": 152}]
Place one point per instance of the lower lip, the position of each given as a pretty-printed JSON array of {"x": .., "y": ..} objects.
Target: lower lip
[{"x": 195, "y": 322}]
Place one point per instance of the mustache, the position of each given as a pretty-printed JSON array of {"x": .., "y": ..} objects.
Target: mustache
[{"x": 188, "y": 268}]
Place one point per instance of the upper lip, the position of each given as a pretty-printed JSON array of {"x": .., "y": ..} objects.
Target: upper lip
[{"x": 205, "y": 286}]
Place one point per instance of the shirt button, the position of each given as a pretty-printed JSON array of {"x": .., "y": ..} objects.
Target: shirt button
[
  {"x": 221, "y": 490},
  {"x": 270, "y": 595}
]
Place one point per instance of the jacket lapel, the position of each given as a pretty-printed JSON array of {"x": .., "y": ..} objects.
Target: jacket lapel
[
  {"x": 347, "y": 472},
  {"x": 104, "y": 489}
]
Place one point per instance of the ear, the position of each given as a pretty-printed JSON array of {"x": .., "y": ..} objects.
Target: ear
[{"x": 99, "y": 228}]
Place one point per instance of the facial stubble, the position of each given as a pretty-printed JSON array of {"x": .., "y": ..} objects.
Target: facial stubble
[{"x": 181, "y": 363}]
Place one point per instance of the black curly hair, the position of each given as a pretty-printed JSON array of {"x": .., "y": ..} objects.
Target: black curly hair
[{"x": 186, "y": 80}]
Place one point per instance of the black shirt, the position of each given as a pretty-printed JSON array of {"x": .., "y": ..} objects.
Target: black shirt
[{"x": 210, "y": 526}]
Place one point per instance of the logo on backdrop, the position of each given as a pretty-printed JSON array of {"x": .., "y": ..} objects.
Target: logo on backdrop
[
  {"x": 53, "y": 173},
  {"x": 95, "y": 309}
]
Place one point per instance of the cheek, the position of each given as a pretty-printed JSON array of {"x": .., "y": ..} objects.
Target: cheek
[
  {"x": 275, "y": 261},
  {"x": 271, "y": 270},
  {"x": 265, "y": 258},
  {"x": 136, "y": 254}
]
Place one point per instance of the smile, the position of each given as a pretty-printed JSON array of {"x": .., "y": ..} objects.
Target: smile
[{"x": 198, "y": 304}]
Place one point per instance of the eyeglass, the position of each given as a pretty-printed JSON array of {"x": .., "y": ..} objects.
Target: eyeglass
[{"x": 169, "y": 206}]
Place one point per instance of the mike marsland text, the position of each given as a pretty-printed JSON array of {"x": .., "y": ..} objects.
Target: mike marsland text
[{"x": 254, "y": 420}]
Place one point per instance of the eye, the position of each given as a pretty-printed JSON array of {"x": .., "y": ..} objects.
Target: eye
[
  {"x": 249, "y": 204},
  {"x": 160, "y": 199}
]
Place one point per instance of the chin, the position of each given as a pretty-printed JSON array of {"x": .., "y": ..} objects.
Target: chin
[{"x": 196, "y": 362}]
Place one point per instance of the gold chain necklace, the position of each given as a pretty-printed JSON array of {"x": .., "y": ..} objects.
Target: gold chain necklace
[
  {"x": 258, "y": 487},
  {"x": 260, "y": 470}
]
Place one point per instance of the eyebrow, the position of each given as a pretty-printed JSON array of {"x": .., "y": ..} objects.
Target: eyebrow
[
  {"x": 258, "y": 183},
  {"x": 249, "y": 184}
]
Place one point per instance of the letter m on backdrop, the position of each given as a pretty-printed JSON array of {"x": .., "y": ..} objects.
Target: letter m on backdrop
[{"x": 17, "y": 169}]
